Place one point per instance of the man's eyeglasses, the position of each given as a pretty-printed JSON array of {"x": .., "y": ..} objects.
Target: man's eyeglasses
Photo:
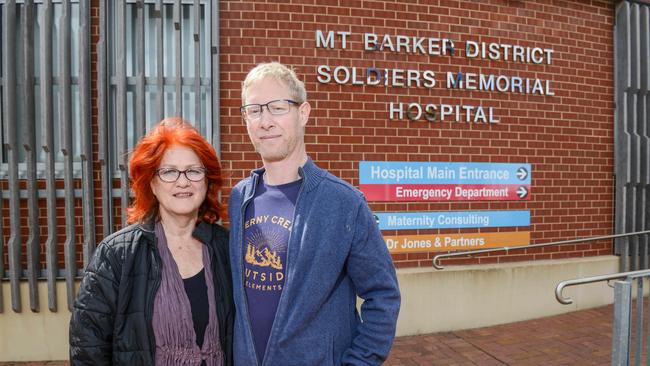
[
  {"x": 253, "y": 112},
  {"x": 171, "y": 175}
]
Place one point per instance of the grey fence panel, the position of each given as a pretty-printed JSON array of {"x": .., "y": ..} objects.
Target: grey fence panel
[
  {"x": 631, "y": 132},
  {"x": 160, "y": 89},
  {"x": 621, "y": 138},
  {"x": 106, "y": 171},
  {"x": 73, "y": 118},
  {"x": 644, "y": 114},
  {"x": 215, "y": 51},
  {"x": 127, "y": 118},
  {"x": 643, "y": 133},
  {"x": 197, "y": 61},
  {"x": 621, "y": 333},
  {"x": 14, "y": 243},
  {"x": 139, "y": 49},
  {"x": 631, "y": 129},
  {"x": 638, "y": 132},
  {"x": 86, "y": 133},
  {"x": 178, "y": 46},
  {"x": 32, "y": 136},
  {"x": 65, "y": 119},
  {"x": 120, "y": 113},
  {"x": 29, "y": 144},
  {"x": 47, "y": 126},
  {"x": 2, "y": 242}
]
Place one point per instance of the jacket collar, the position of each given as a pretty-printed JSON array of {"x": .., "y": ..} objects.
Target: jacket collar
[
  {"x": 310, "y": 173},
  {"x": 202, "y": 231},
  {"x": 147, "y": 227}
]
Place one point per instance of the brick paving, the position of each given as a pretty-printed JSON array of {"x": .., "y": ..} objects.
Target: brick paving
[{"x": 580, "y": 338}]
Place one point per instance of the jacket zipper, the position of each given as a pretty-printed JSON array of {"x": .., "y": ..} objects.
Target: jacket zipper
[
  {"x": 150, "y": 299},
  {"x": 286, "y": 271},
  {"x": 218, "y": 293},
  {"x": 241, "y": 264}
]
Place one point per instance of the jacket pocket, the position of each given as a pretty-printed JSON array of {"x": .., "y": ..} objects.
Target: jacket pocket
[{"x": 309, "y": 350}]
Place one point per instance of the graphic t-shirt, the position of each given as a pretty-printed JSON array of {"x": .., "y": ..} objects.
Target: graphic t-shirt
[{"x": 268, "y": 221}]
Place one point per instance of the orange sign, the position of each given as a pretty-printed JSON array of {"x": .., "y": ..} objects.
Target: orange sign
[{"x": 451, "y": 242}]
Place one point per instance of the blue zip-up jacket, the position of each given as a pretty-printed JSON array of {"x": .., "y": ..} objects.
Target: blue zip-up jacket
[{"x": 335, "y": 253}]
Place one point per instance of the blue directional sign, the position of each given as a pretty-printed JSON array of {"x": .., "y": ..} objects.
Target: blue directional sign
[
  {"x": 395, "y": 172},
  {"x": 451, "y": 219}
]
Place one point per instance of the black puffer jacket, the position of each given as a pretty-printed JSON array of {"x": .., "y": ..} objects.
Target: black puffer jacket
[{"x": 111, "y": 319}]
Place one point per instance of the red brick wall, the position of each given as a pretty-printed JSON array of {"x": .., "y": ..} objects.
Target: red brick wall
[{"x": 568, "y": 137}]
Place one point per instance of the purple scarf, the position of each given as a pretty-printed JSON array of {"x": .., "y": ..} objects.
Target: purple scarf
[{"x": 172, "y": 315}]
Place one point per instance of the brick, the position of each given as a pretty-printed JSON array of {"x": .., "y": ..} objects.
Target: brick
[{"x": 567, "y": 137}]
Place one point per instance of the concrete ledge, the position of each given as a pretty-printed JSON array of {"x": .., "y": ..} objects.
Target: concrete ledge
[
  {"x": 465, "y": 297},
  {"x": 30, "y": 336},
  {"x": 458, "y": 297}
]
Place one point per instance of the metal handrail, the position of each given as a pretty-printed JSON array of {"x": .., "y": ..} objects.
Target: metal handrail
[
  {"x": 436, "y": 265},
  {"x": 579, "y": 281}
]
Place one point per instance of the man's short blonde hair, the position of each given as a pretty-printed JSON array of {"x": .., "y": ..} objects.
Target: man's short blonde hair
[{"x": 278, "y": 72}]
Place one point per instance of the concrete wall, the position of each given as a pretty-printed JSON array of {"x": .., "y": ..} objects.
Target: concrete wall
[
  {"x": 458, "y": 297},
  {"x": 465, "y": 297},
  {"x": 29, "y": 336}
]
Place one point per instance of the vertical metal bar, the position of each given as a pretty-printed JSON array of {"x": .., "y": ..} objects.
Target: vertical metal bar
[
  {"x": 625, "y": 254},
  {"x": 621, "y": 137},
  {"x": 2, "y": 242},
  {"x": 643, "y": 243},
  {"x": 621, "y": 331},
  {"x": 639, "y": 322},
  {"x": 634, "y": 197},
  {"x": 29, "y": 144},
  {"x": 102, "y": 121},
  {"x": 65, "y": 120},
  {"x": 121, "y": 121},
  {"x": 197, "y": 63},
  {"x": 634, "y": 241},
  {"x": 2, "y": 41},
  {"x": 178, "y": 52},
  {"x": 644, "y": 58},
  {"x": 215, "y": 79},
  {"x": 634, "y": 246},
  {"x": 647, "y": 334},
  {"x": 160, "y": 87},
  {"x": 86, "y": 132},
  {"x": 10, "y": 133},
  {"x": 47, "y": 121},
  {"x": 3, "y": 91},
  {"x": 642, "y": 129},
  {"x": 139, "y": 49}
]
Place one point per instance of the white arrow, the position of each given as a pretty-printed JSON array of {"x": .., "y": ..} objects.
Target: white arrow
[
  {"x": 522, "y": 192},
  {"x": 522, "y": 173}
]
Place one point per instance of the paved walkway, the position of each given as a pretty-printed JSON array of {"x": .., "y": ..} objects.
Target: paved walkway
[{"x": 579, "y": 338}]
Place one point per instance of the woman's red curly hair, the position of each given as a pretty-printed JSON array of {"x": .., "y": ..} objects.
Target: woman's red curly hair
[{"x": 146, "y": 157}]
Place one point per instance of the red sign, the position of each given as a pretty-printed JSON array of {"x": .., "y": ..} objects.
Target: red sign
[{"x": 445, "y": 192}]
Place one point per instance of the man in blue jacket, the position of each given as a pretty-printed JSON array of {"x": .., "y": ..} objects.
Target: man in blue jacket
[{"x": 303, "y": 246}]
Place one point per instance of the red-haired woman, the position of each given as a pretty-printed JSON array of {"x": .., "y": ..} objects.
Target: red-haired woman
[{"x": 158, "y": 292}]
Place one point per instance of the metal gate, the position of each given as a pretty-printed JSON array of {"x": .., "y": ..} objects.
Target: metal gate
[
  {"x": 59, "y": 157},
  {"x": 632, "y": 129}
]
